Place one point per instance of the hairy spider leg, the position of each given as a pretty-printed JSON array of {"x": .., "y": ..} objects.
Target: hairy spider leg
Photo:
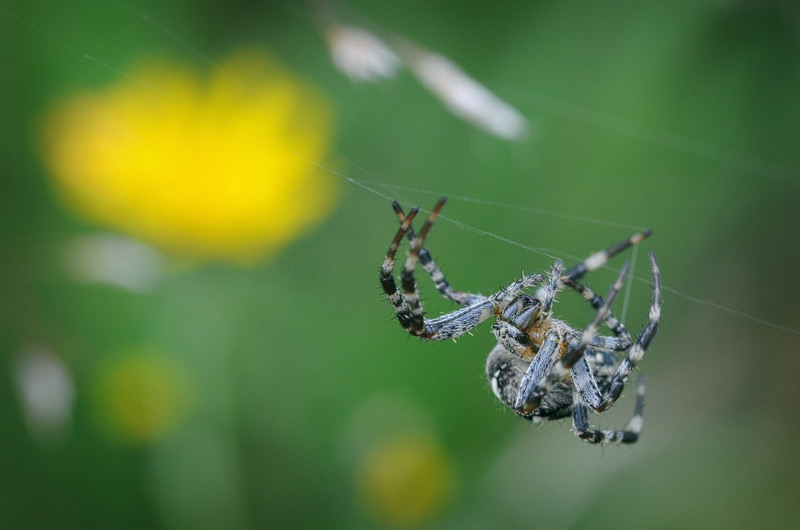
[
  {"x": 463, "y": 320},
  {"x": 462, "y": 298},
  {"x": 583, "y": 429},
  {"x": 544, "y": 373},
  {"x": 598, "y": 259},
  {"x": 623, "y": 339},
  {"x": 387, "y": 276},
  {"x": 594, "y": 261},
  {"x": 640, "y": 346},
  {"x": 408, "y": 306},
  {"x": 541, "y": 376},
  {"x": 550, "y": 290},
  {"x": 603, "y": 312},
  {"x": 409, "y": 284},
  {"x": 588, "y": 386}
]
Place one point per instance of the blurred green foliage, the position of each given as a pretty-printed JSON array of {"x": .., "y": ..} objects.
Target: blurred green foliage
[{"x": 679, "y": 116}]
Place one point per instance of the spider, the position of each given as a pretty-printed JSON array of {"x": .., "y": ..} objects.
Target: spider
[{"x": 541, "y": 368}]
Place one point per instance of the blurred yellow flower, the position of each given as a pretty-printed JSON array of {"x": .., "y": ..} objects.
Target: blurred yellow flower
[
  {"x": 405, "y": 480},
  {"x": 218, "y": 168},
  {"x": 140, "y": 397}
]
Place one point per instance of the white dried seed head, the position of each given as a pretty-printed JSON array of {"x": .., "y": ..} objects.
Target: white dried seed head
[
  {"x": 360, "y": 54},
  {"x": 465, "y": 97}
]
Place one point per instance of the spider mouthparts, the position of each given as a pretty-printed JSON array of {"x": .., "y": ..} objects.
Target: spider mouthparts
[
  {"x": 524, "y": 408},
  {"x": 525, "y": 320}
]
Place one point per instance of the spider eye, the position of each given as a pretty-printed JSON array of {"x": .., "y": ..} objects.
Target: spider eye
[{"x": 528, "y": 302}]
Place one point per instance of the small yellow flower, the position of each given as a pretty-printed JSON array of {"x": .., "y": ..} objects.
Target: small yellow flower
[
  {"x": 222, "y": 168},
  {"x": 405, "y": 480},
  {"x": 140, "y": 397}
]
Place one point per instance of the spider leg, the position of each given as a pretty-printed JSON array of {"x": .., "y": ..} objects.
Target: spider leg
[
  {"x": 575, "y": 361},
  {"x": 623, "y": 339},
  {"x": 388, "y": 284},
  {"x": 598, "y": 259},
  {"x": 547, "y": 293},
  {"x": 583, "y": 429},
  {"x": 458, "y": 322},
  {"x": 460, "y": 297},
  {"x": 409, "y": 284},
  {"x": 637, "y": 350},
  {"x": 602, "y": 315},
  {"x": 585, "y": 381},
  {"x": 408, "y": 306},
  {"x": 542, "y": 375}
]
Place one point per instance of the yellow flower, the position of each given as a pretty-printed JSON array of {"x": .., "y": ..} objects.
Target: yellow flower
[
  {"x": 140, "y": 397},
  {"x": 405, "y": 480},
  {"x": 221, "y": 168}
]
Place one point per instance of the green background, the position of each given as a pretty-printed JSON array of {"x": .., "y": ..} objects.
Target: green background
[{"x": 679, "y": 116}]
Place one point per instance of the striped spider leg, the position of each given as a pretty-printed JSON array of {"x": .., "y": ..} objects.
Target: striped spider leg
[{"x": 407, "y": 304}]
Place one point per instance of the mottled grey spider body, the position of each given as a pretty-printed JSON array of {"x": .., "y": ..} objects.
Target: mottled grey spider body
[{"x": 541, "y": 367}]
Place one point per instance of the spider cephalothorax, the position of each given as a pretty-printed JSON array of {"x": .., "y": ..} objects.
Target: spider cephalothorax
[{"x": 541, "y": 367}]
